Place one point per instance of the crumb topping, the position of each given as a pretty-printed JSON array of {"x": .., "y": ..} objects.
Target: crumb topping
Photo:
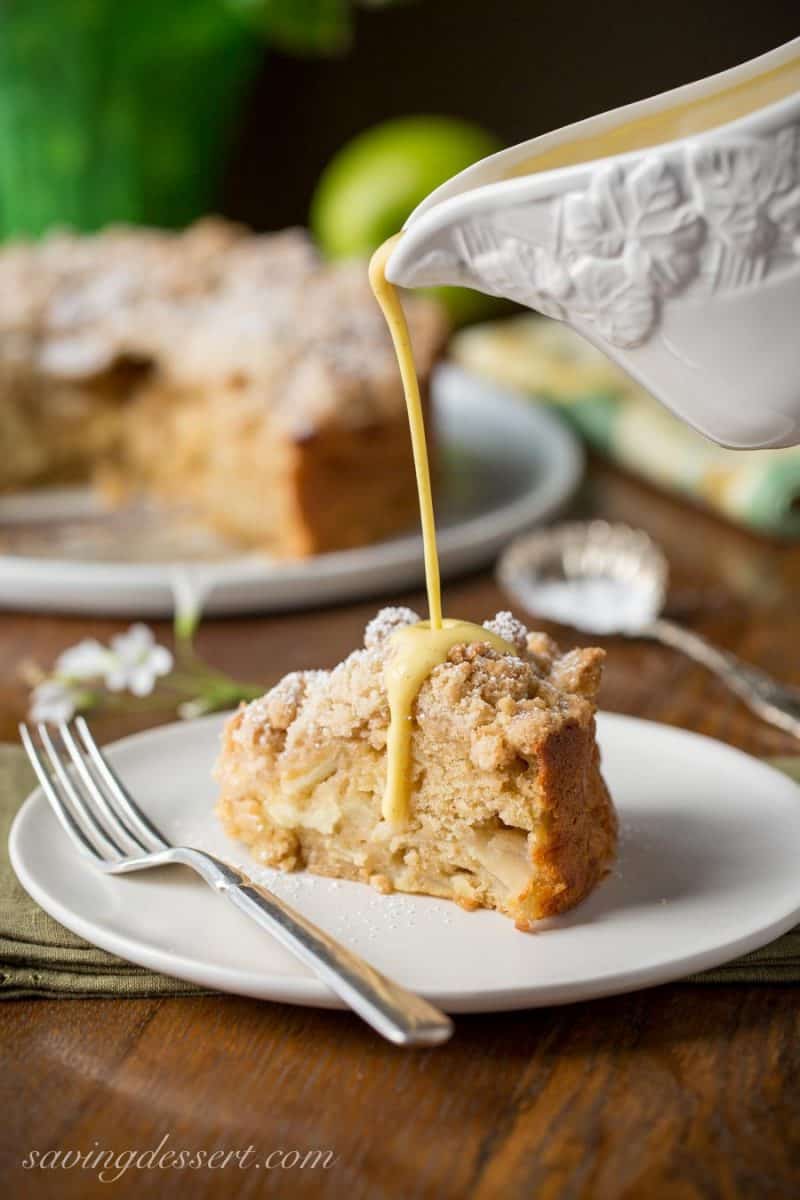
[
  {"x": 279, "y": 707},
  {"x": 207, "y": 303},
  {"x": 579, "y": 671},
  {"x": 503, "y": 705},
  {"x": 386, "y": 622},
  {"x": 543, "y": 651},
  {"x": 511, "y": 630}
]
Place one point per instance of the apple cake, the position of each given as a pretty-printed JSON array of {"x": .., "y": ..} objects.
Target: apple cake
[
  {"x": 233, "y": 374},
  {"x": 508, "y": 808}
]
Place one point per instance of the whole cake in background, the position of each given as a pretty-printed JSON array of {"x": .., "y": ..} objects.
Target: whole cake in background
[
  {"x": 508, "y": 808},
  {"x": 231, "y": 373}
]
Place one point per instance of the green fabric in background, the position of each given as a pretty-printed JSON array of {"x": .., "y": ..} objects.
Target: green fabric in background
[
  {"x": 39, "y": 957},
  {"x": 116, "y": 111},
  {"x": 126, "y": 110},
  {"x": 549, "y": 361}
]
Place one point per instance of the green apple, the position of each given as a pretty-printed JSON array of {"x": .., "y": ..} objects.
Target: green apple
[{"x": 371, "y": 185}]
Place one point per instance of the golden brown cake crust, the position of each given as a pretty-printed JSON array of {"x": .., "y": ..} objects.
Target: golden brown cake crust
[
  {"x": 508, "y": 806},
  {"x": 582, "y": 825}
]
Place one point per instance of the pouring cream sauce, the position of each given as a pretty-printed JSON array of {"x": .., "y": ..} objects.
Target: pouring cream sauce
[{"x": 416, "y": 649}]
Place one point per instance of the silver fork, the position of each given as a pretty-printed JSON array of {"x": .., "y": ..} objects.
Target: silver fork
[{"x": 107, "y": 826}]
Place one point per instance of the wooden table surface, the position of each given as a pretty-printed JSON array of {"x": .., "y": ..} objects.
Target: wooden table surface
[{"x": 683, "y": 1091}]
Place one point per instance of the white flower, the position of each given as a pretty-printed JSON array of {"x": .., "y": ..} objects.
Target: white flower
[
  {"x": 136, "y": 661},
  {"x": 53, "y": 700},
  {"x": 132, "y": 662},
  {"x": 88, "y": 660}
]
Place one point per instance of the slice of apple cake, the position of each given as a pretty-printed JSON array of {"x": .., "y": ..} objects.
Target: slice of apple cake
[{"x": 508, "y": 809}]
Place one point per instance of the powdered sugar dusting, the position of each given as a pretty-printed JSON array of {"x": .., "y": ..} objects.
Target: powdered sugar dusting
[
  {"x": 506, "y": 626},
  {"x": 387, "y": 622},
  {"x": 279, "y": 707},
  {"x": 290, "y": 689},
  {"x": 254, "y": 718},
  {"x": 261, "y": 314}
]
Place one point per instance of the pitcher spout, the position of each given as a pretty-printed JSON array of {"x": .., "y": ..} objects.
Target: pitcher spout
[
  {"x": 679, "y": 258},
  {"x": 492, "y": 247}
]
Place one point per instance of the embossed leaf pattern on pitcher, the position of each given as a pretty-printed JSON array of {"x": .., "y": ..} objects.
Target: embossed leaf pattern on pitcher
[
  {"x": 631, "y": 239},
  {"x": 504, "y": 265},
  {"x": 527, "y": 270},
  {"x": 749, "y": 190},
  {"x": 643, "y": 215},
  {"x": 722, "y": 216},
  {"x": 709, "y": 217},
  {"x": 608, "y": 293}
]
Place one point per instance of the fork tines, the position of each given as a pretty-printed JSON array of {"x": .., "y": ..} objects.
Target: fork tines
[{"x": 86, "y": 795}]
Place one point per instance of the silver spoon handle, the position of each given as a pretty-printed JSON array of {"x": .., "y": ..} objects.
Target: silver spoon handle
[
  {"x": 772, "y": 701},
  {"x": 399, "y": 1015}
]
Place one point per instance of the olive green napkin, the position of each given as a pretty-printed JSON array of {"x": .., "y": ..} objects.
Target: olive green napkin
[{"x": 39, "y": 957}]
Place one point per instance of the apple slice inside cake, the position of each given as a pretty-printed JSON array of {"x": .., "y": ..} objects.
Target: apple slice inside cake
[{"x": 507, "y": 808}]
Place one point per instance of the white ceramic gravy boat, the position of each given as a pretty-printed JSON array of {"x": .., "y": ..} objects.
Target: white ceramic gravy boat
[{"x": 667, "y": 232}]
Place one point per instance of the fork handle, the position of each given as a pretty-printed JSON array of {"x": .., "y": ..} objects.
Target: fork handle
[
  {"x": 397, "y": 1014},
  {"x": 774, "y": 702}
]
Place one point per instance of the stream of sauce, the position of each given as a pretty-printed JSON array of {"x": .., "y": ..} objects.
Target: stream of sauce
[
  {"x": 389, "y": 300},
  {"x": 416, "y": 649}
]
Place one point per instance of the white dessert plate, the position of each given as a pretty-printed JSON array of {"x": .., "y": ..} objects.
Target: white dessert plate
[
  {"x": 506, "y": 465},
  {"x": 707, "y": 871}
]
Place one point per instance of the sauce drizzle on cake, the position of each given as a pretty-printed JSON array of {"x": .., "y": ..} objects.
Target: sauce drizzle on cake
[{"x": 415, "y": 649}]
